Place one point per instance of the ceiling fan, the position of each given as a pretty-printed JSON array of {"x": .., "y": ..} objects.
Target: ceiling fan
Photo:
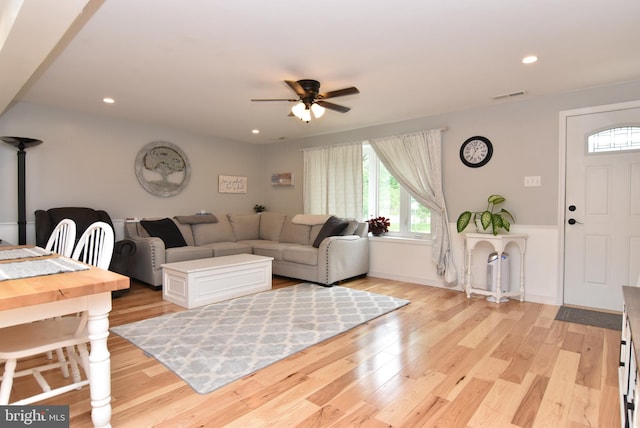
[{"x": 310, "y": 100}]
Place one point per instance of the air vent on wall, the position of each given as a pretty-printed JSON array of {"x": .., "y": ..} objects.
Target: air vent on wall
[{"x": 510, "y": 95}]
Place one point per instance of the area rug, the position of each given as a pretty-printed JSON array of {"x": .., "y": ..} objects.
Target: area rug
[
  {"x": 211, "y": 346},
  {"x": 588, "y": 317}
]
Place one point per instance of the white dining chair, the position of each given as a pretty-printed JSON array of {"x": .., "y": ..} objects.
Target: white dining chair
[
  {"x": 94, "y": 247},
  {"x": 61, "y": 241},
  {"x": 63, "y": 238},
  {"x": 35, "y": 338}
]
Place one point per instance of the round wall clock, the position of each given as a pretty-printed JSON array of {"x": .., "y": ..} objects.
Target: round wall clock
[{"x": 476, "y": 151}]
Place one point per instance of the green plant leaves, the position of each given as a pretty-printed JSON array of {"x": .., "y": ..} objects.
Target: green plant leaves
[
  {"x": 497, "y": 221},
  {"x": 463, "y": 221},
  {"x": 486, "y": 218},
  {"x": 496, "y": 199}
]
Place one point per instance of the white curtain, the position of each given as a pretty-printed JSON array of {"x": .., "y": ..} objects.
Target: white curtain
[
  {"x": 333, "y": 180},
  {"x": 415, "y": 160}
]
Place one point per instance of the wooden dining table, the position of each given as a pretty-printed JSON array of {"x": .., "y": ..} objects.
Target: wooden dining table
[{"x": 40, "y": 297}]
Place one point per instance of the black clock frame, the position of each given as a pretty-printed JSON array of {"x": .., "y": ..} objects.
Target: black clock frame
[{"x": 482, "y": 162}]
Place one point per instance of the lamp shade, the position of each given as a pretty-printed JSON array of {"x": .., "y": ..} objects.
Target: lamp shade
[
  {"x": 301, "y": 111},
  {"x": 317, "y": 110}
]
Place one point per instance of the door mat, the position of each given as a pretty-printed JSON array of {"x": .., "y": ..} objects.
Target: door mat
[{"x": 588, "y": 317}]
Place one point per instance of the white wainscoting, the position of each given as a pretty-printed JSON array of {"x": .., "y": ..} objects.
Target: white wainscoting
[{"x": 410, "y": 260}]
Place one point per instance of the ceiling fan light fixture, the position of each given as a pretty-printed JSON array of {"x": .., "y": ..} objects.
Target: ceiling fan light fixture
[
  {"x": 317, "y": 110},
  {"x": 301, "y": 111}
]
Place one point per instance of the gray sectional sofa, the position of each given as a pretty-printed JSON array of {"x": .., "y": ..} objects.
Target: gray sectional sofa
[{"x": 319, "y": 249}]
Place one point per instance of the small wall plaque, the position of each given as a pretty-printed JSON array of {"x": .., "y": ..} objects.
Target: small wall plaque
[
  {"x": 283, "y": 179},
  {"x": 232, "y": 184}
]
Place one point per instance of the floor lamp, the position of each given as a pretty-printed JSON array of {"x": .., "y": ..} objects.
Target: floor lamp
[{"x": 21, "y": 143}]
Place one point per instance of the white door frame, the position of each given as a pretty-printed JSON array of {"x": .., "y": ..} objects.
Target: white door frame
[{"x": 562, "y": 189}]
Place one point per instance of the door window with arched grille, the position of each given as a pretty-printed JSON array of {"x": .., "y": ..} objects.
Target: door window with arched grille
[{"x": 614, "y": 139}]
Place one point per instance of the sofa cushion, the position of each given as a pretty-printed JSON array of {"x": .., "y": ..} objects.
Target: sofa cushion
[
  {"x": 271, "y": 225},
  {"x": 270, "y": 248},
  {"x": 220, "y": 249},
  {"x": 208, "y": 233},
  {"x": 181, "y": 254},
  {"x": 295, "y": 233},
  {"x": 303, "y": 254},
  {"x": 332, "y": 227},
  {"x": 166, "y": 230},
  {"x": 186, "y": 231},
  {"x": 245, "y": 226}
]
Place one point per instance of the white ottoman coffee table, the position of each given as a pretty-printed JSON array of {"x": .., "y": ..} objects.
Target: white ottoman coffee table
[{"x": 204, "y": 281}]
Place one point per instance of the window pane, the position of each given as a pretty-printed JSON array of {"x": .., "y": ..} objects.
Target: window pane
[
  {"x": 383, "y": 196},
  {"x": 365, "y": 182},
  {"x": 389, "y": 198},
  {"x": 615, "y": 139},
  {"x": 420, "y": 218}
]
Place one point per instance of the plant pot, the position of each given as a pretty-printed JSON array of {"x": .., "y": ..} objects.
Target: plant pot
[
  {"x": 377, "y": 231},
  {"x": 479, "y": 229}
]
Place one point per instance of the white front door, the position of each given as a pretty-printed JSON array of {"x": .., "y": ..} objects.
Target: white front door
[{"x": 602, "y": 213}]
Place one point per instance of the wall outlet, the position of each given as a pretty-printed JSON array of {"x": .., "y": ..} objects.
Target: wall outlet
[{"x": 532, "y": 181}]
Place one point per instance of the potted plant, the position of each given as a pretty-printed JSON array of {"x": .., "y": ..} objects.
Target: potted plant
[
  {"x": 379, "y": 225},
  {"x": 487, "y": 220}
]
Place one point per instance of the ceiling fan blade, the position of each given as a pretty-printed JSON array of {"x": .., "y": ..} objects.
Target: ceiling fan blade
[
  {"x": 339, "y": 93},
  {"x": 297, "y": 88},
  {"x": 274, "y": 99},
  {"x": 332, "y": 106}
]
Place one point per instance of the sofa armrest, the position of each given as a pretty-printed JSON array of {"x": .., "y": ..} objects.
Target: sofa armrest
[
  {"x": 147, "y": 259},
  {"x": 122, "y": 250},
  {"x": 342, "y": 257}
]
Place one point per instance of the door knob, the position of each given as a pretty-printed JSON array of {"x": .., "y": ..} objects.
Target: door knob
[
  {"x": 573, "y": 221},
  {"x": 572, "y": 207}
]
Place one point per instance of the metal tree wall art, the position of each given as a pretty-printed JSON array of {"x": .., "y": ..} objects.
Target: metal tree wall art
[{"x": 162, "y": 168}]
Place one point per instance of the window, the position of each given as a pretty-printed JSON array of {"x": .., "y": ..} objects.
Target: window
[
  {"x": 614, "y": 139},
  {"x": 383, "y": 196}
]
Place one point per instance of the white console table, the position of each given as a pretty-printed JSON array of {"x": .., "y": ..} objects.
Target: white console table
[{"x": 499, "y": 244}]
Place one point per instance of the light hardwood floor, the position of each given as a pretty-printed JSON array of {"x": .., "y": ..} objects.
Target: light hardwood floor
[{"x": 441, "y": 361}]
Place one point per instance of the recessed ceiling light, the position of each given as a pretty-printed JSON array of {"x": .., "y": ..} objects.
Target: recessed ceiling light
[
  {"x": 529, "y": 59},
  {"x": 108, "y": 100},
  {"x": 255, "y": 131}
]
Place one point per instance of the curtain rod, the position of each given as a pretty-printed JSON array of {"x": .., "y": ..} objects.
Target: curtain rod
[{"x": 443, "y": 129}]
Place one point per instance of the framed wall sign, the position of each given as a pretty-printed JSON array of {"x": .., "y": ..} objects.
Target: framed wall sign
[
  {"x": 283, "y": 179},
  {"x": 232, "y": 184}
]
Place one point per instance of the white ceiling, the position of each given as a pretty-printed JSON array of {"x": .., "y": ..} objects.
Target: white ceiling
[{"x": 196, "y": 64}]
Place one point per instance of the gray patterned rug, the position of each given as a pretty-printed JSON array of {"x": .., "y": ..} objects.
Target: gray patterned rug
[{"x": 211, "y": 346}]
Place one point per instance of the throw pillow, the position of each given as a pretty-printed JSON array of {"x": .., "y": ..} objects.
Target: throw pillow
[
  {"x": 332, "y": 227},
  {"x": 166, "y": 230}
]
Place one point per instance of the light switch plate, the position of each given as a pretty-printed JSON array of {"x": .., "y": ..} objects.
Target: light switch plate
[{"x": 532, "y": 181}]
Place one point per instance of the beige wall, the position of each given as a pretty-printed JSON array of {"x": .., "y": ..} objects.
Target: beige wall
[
  {"x": 525, "y": 138},
  {"x": 88, "y": 160}
]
